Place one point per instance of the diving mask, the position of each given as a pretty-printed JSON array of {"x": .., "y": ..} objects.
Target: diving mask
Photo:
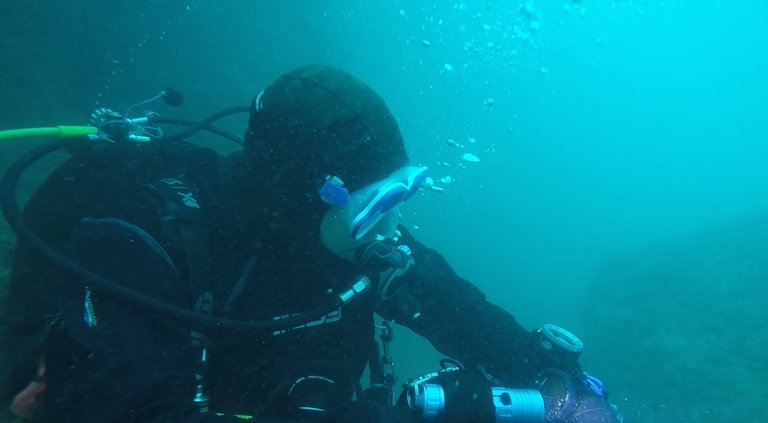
[{"x": 366, "y": 207}]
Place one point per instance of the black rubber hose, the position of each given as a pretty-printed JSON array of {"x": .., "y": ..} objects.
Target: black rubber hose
[
  {"x": 203, "y": 124},
  {"x": 212, "y": 129},
  {"x": 16, "y": 222}
]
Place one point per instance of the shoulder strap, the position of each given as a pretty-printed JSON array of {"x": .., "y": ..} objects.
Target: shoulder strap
[{"x": 185, "y": 225}]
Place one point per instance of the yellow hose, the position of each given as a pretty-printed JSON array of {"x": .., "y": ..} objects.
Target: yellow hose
[{"x": 55, "y": 132}]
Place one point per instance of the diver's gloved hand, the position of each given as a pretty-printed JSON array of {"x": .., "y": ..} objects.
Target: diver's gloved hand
[{"x": 575, "y": 398}]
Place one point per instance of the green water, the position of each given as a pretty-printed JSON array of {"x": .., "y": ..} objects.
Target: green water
[{"x": 621, "y": 184}]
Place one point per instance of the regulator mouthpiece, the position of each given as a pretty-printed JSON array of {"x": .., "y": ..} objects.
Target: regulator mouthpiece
[{"x": 172, "y": 97}]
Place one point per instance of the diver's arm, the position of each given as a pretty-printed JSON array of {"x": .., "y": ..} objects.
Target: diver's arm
[{"x": 459, "y": 321}]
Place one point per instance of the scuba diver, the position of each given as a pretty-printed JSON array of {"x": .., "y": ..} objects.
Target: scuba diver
[{"x": 161, "y": 282}]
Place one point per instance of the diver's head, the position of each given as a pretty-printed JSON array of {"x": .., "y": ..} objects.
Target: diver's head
[{"x": 314, "y": 125}]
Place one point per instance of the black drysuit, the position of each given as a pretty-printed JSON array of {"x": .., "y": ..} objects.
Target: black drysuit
[{"x": 132, "y": 365}]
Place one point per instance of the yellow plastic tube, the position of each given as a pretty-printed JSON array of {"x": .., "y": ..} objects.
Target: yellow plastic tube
[{"x": 55, "y": 132}]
